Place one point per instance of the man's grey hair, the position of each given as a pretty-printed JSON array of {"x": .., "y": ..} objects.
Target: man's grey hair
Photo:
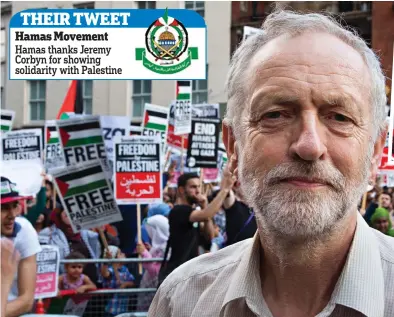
[{"x": 283, "y": 22}]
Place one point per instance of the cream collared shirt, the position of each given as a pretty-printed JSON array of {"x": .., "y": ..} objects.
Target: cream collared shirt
[{"x": 227, "y": 283}]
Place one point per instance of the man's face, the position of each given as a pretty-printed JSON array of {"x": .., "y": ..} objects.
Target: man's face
[
  {"x": 192, "y": 190},
  {"x": 305, "y": 150},
  {"x": 8, "y": 214},
  {"x": 386, "y": 201}
]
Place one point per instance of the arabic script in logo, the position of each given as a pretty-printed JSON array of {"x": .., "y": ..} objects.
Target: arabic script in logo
[{"x": 167, "y": 48}]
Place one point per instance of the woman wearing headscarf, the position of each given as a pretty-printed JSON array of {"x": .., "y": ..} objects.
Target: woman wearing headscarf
[
  {"x": 158, "y": 230},
  {"x": 86, "y": 242},
  {"x": 153, "y": 209},
  {"x": 381, "y": 221}
]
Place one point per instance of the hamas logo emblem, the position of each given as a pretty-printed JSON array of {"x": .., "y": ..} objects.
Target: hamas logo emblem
[{"x": 167, "y": 48}]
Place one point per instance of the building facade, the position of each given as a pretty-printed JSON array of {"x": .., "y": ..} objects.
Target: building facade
[
  {"x": 373, "y": 20},
  {"x": 37, "y": 101}
]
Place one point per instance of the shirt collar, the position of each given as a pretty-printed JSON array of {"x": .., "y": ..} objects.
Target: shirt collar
[
  {"x": 246, "y": 278},
  {"x": 360, "y": 286}
]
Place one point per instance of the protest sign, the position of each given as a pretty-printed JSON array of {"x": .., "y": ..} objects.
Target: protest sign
[
  {"x": 7, "y": 118},
  {"x": 386, "y": 167},
  {"x": 207, "y": 111},
  {"x": 173, "y": 140},
  {"x": 87, "y": 196},
  {"x": 203, "y": 143},
  {"x": 183, "y": 117},
  {"x": 47, "y": 272},
  {"x": 113, "y": 126},
  {"x": 89, "y": 44},
  {"x": 82, "y": 141},
  {"x": 155, "y": 121},
  {"x": 54, "y": 157},
  {"x": 183, "y": 105},
  {"x": 22, "y": 145},
  {"x": 138, "y": 170},
  {"x": 211, "y": 175}
]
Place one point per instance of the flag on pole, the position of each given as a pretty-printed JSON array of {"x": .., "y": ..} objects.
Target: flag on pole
[
  {"x": 73, "y": 102},
  {"x": 183, "y": 89}
]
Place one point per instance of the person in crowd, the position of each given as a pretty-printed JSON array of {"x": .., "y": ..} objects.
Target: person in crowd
[
  {"x": 240, "y": 220},
  {"x": 185, "y": 218},
  {"x": 34, "y": 211},
  {"x": 20, "y": 231},
  {"x": 152, "y": 210},
  {"x": 171, "y": 192},
  {"x": 158, "y": 209},
  {"x": 41, "y": 222},
  {"x": 49, "y": 195},
  {"x": 158, "y": 229},
  {"x": 385, "y": 200},
  {"x": 218, "y": 240},
  {"x": 73, "y": 278},
  {"x": 220, "y": 218},
  {"x": 61, "y": 234},
  {"x": 9, "y": 264},
  {"x": 110, "y": 234},
  {"x": 116, "y": 276},
  {"x": 381, "y": 221},
  {"x": 304, "y": 131}
]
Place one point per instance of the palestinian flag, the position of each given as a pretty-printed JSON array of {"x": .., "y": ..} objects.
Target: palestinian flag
[
  {"x": 73, "y": 102},
  {"x": 79, "y": 134},
  {"x": 7, "y": 117},
  {"x": 156, "y": 119},
  {"x": 183, "y": 90},
  {"x": 52, "y": 136},
  {"x": 82, "y": 181},
  {"x": 135, "y": 128}
]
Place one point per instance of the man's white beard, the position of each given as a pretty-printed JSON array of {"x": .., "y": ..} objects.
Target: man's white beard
[{"x": 298, "y": 213}]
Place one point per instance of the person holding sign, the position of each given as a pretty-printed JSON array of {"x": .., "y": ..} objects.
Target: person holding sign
[
  {"x": 22, "y": 234},
  {"x": 185, "y": 218}
]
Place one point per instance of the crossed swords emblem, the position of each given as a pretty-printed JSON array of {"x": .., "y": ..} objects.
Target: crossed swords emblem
[{"x": 166, "y": 52}]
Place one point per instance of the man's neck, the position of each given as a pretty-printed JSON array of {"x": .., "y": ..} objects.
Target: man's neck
[
  {"x": 298, "y": 279},
  {"x": 182, "y": 201}
]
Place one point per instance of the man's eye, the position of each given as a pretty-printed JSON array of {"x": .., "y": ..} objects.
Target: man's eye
[
  {"x": 272, "y": 115},
  {"x": 340, "y": 117}
]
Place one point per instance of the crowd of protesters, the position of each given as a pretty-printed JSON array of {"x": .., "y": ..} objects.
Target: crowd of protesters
[{"x": 193, "y": 219}]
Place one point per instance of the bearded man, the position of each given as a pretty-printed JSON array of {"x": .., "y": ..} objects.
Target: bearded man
[{"x": 304, "y": 132}]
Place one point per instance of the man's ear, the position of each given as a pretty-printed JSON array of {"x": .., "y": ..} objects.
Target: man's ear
[
  {"x": 231, "y": 148},
  {"x": 377, "y": 154}
]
